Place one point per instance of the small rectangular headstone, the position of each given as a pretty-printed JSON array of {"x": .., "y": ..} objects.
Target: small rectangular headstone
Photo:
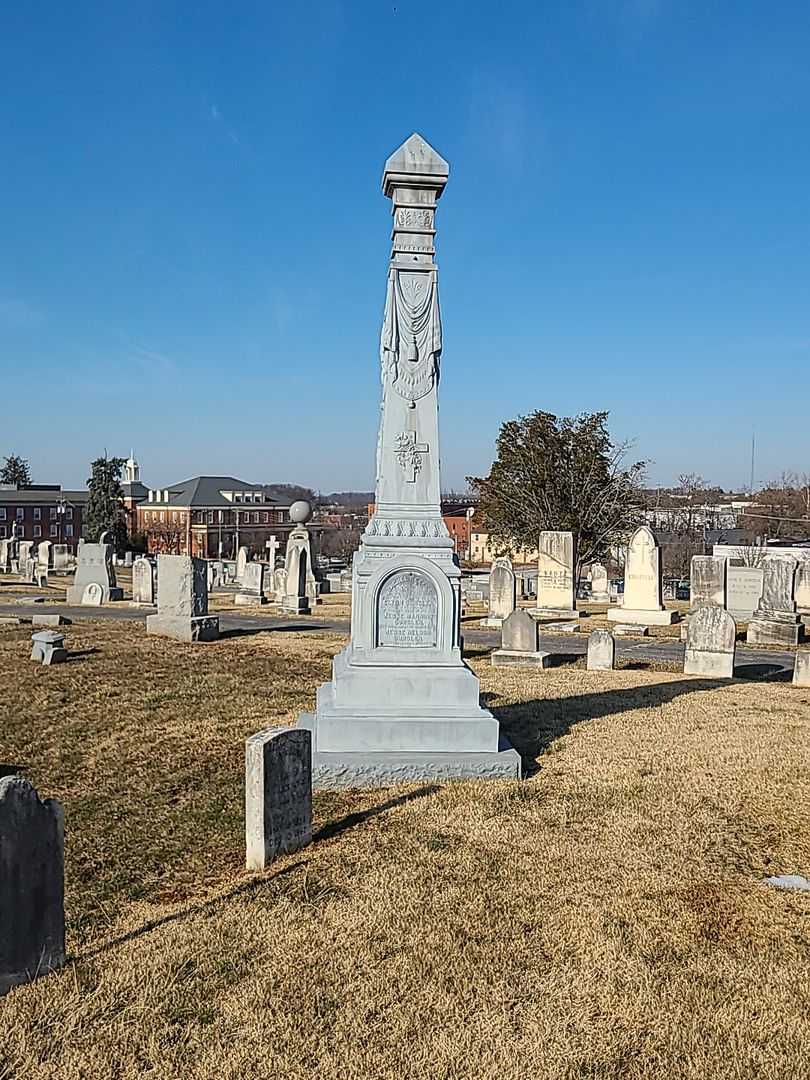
[
  {"x": 601, "y": 651},
  {"x": 801, "y": 670},
  {"x": 278, "y": 794},
  {"x": 32, "y": 913}
]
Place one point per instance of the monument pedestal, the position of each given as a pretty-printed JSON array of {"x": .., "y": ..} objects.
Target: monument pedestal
[
  {"x": 184, "y": 628},
  {"x": 513, "y": 658},
  {"x": 770, "y": 631},
  {"x": 561, "y": 614},
  {"x": 296, "y": 605},
  {"x": 643, "y": 618},
  {"x": 243, "y": 599}
]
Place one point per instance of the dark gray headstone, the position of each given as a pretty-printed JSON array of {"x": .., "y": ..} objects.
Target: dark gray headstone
[
  {"x": 520, "y": 632},
  {"x": 278, "y": 794},
  {"x": 32, "y": 912}
]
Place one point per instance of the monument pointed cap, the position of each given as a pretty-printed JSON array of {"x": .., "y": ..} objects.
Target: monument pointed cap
[{"x": 415, "y": 163}]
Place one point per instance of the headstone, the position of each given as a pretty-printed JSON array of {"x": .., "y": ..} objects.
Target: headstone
[
  {"x": 61, "y": 558},
  {"x": 143, "y": 582},
  {"x": 743, "y": 590},
  {"x": 642, "y": 602},
  {"x": 502, "y": 588},
  {"x": 402, "y": 705},
  {"x": 43, "y": 562},
  {"x": 241, "y": 563},
  {"x": 520, "y": 643},
  {"x": 279, "y": 582},
  {"x": 251, "y": 591},
  {"x": 631, "y": 630},
  {"x": 278, "y": 794},
  {"x": 711, "y": 635},
  {"x": 556, "y": 571},
  {"x": 801, "y": 669},
  {"x": 600, "y": 593},
  {"x": 32, "y": 910},
  {"x": 182, "y": 601},
  {"x": 776, "y": 620},
  {"x": 300, "y": 586},
  {"x": 95, "y": 567},
  {"x": 25, "y": 563},
  {"x": 129, "y": 558},
  {"x": 601, "y": 651},
  {"x": 803, "y": 588},
  {"x": 45, "y": 619},
  {"x": 5, "y": 556},
  {"x": 707, "y": 580},
  {"x": 272, "y": 545},
  {"x": 48, "y": 647}
]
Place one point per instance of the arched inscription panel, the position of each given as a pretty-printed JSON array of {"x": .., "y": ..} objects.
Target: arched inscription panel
[{"x": 408, "y": 611}]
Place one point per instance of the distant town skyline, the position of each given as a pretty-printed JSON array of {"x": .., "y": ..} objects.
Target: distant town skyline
[{"x": 196, "y": 245}]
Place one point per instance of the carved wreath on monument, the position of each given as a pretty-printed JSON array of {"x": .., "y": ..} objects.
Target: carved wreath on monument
[{"x": 411, "y": 340}]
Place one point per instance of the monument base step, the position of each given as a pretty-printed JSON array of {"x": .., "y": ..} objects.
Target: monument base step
[
  {"x": 345, "y": 769},
  {"x": 562, "y": 614},
  {"x": 181, "y": 628},
  {"x": 774, "y": 632},
  {"x": 644, "y": 618},
  {"x": 249, "y": 600},
  {"x": 513, "y": 658},
  {"x": 716, "y": 665},
  {"x": 296, "y": 605}
]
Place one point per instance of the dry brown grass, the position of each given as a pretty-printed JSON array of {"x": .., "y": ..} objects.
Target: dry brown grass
[{"x": 604, "y": 919}]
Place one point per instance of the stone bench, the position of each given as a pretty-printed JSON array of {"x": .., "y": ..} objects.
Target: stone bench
[{"x": 48, "y": 647}]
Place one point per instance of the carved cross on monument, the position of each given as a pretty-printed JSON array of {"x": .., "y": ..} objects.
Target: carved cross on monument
[
  {"x": 409, "y": 454},
  {"x": 272, "y": 546}
]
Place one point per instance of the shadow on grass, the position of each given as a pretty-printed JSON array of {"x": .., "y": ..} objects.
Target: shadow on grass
[
  {"x": 532, "y": 726},
  {"x": 80, "y": 654},
  {"x": 8, "y": 769},
  {"x": 334, "y": 828},
  {"x": 763, "y": 672}
]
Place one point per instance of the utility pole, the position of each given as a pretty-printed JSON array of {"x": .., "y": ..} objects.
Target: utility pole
[{"x": 753, "y": 452}]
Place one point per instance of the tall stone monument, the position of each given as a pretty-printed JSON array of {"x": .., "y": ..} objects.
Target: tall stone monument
[
  {"x": 643, "y": 593},
  {"x": 182, "y": 597},
  {"x": 776, "y": 620},
  {"x": 556, "y": 570},
  {"x": 402, "y": 704},
  {"x": 301, "y": 588}
]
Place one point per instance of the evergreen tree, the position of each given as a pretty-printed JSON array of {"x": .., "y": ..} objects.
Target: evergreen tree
[
  {"x": 105, "y": 508},
  {"x": 15, "y": 470}
]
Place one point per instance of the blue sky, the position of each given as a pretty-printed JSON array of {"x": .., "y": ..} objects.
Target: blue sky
[{"x": 194, "y": 249}]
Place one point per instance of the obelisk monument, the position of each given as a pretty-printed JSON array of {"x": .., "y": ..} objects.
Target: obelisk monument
[{"x": 402, "y": 704}]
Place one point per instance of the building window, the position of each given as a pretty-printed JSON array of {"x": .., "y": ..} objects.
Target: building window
[
  {"x": 37, "y": 531},
  {"x": 2, "y": 513},
  {"x": 69, "y": 513},
  {"x": 161, "y": 515},
  {"x": 68, "y": 530},
  {"x": 255, "y": 517},
  {"x": 53, "y": 512},
  {"x": 2, "y": 532},
  {"x": 174, "y": 516},
  {"x": 265, "y": 517},
  {"x": 37, "y": 513},
  {"x": 54, "y": 530},
  {"x": 210, "y": 517},
  {"x": 221, "y": 516},
  {"x": 20, "y": 513}
]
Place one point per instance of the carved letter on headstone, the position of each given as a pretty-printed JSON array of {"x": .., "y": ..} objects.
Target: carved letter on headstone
[{"x": 407, "y": 611}]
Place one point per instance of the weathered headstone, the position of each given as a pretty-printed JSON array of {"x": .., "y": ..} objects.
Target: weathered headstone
[
  {"x": 600, "y": 590},
  {"x": 32, "y": 911},
  {"x": 801, "y": 669},
  {"x": 711, "y": 635},
  {"x": 520, "y": 643},
  {"x": 707, "y": 580},
  {"x": 143, "y": 582},
  {"x": 48, "y": 647},
  {"x": 502, "y": 590},
  {"x": 776, "y": 620},
  {"x": 61, "y": 558},
  {"x": 402, "y": 705},
  {"x": 251, "y": 588},
  {"x": 643, "y": 601},
  {"x": 601, "y": 651},
  {"x": 241, "y": 563},
  {"x": 803, "y": 589},
  {"x": 182, "y": 601},
  {"x": 43, "y": 562},
  {"x": 743, "y": 590},
  {"x": 5, "y": 555},
  {"x": 278, "y": 794},
  {"x": 95, "y": 567},
  {"x": 556, "y": 570}
]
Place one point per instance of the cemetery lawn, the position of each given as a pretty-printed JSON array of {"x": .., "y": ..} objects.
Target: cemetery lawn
[{"x": 605, "y": 918}]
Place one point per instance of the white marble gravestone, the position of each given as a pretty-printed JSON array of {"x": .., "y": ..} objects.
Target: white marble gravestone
[
  {"x": 600, "y": 589},
  {"x": 402, "y": 704},
  {"x": 300, "y": 587},
  {"x": 556, "y": 570},
  {"x": 502, "y": 591},
  {"x": 707, "y": 580},
  {"x": 642, "y": 603},
  {"x": 801, "y": 669},
  {"x": 95, "y": 567},
  {"x": 776, "y": 620},
  {"x": 241, "y": 563},
  {"x": 143, "y": 582},
  {"x": 743, "y": 590},
  {"x": 182, "y": 596},
  {"x": 278, "y": 794},
  {"x": 601, "y": 651},
  {"x": 710, "y": 641},
  {"x": 251, "y": 587}
]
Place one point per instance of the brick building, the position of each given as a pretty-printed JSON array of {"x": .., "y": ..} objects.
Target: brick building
[
  {"x": 213, "y": 516},
  {"x": 43, "y": 512}
]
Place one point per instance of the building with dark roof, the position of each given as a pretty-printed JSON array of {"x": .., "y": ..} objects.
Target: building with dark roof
[
  {"x": 213, "y": 516},
  {"x": 42, "y": 512}
]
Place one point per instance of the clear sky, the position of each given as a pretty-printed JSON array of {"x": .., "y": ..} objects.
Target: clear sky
[{"x": 194, "y": 244}]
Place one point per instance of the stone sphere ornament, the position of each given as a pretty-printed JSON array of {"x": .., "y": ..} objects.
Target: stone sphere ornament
[{"x": 301, "y": 512}]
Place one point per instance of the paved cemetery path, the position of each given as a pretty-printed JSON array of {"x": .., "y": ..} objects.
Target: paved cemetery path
[{"x": 751, "y": 662}]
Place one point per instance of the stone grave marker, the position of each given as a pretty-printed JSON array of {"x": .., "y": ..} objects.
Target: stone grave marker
[
  {"x": 143, "y": 582},
  {"x": 711, "y": 635},
  {"x": 93, "y": 595},
  {"x": 601, "y": 651},
  {"x": 776, "y": 620},
  {"x": 301, "y": 587},
  {"x": 803, "y": 590},
  {"x": 642, "y": 602},
  {"x": 520, "y": 643},
  {"x": 48, "y": 647},
  {"x": 600, "y": 591},
  {"x": 556, "y": 568},
  {"x": 95, "y": 567},
  {"x": 278, "y": 794},
  {"x": 743, "y": 591},
  {"x": 801, "y": 668},
  {"x": 241, "y": 563},
  {"x": 182, "y": 601},
  {"x": 32, "y": 912},
  {"x": 502, "y": 592},
  {"x": 251, "y": 590},
  {"x": 707, "y": 580}
]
